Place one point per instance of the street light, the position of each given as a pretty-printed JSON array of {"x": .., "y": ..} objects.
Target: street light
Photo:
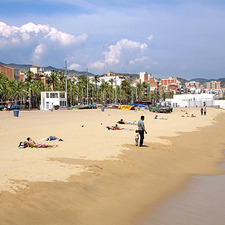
[
  {"x": 66, "y": 79},
  {"x": 115, "y": 90},
  {"x": 87, "y": 85}
]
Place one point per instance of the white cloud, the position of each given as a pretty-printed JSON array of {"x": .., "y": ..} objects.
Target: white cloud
[
  {"x": 98, "y": 65},
  {"x": 38, "y": 42},
  {"x": 150, "y": 37},
  {"x": 39, "y": 50},
  {"x": 138, "y": 60},
  {"x": 43, "y": 32},
  {"x": 75, "y": 66},
  {"x": 64, "y": 38},
  {"x": 124, "y": 45}
]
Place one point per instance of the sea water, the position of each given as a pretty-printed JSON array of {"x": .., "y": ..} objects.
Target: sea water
[{"x": 201, "y": 203}]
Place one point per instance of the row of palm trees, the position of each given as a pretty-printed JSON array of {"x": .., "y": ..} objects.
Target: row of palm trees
[{"x": 28, "y": 93}]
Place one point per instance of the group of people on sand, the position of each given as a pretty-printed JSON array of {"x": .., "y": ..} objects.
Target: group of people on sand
[
  {"x": 138, "y": 133},
  {"x": 202, "y": 110}
]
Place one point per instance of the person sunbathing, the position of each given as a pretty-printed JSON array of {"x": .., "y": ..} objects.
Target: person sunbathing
[
  {"x": 159, "y": 118},
  {"x": 125, "y": 122},
  {"x": 31, "y": 143},
  {"x": 116, "y": 127},
  {"x": 52, "y": 138}
]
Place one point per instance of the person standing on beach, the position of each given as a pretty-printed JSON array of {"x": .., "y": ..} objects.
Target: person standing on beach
[
  {"x": 204, "y": 110},
  {"x": 201, "y": 110},
  {"x": 141, "y": 129},
  {"x": 136, "y": 137},
  {"x": 52, "y": 107}
]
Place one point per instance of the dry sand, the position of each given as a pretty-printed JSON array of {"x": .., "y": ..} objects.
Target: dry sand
[{"x": 118, "y": 181}]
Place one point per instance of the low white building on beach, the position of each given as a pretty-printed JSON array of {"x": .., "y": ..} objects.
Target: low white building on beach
[
  {"x": 195, "y": 100},
  {"x": 50, "y": 99}
]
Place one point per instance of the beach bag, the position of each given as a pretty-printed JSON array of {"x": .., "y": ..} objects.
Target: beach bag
[{"x": 23, "y": 144}]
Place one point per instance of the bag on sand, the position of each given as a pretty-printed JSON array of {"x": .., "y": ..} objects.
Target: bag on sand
[{"x": 23, "y": 144}]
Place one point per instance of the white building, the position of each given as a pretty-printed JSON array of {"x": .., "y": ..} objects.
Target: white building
[
  {"x": 191, "y": 100},
  {"x": 47, "y": 73},
  {"x": 144, "y": 77},
  {"x": 35, "y": 69},
  {"x": 52, "y": 98},
  {"x": 117, "y": 80}
]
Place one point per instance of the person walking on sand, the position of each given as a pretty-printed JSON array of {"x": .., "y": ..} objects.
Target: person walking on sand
[
  {"x": 52, "y": 107},
  {"x": 201, "y": 110},
  {"x": 204, "y": 110},
  {"x": 141, "y": 129}
]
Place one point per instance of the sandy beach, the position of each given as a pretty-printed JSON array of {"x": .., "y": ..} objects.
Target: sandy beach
[{"x": 98, "y": 176}]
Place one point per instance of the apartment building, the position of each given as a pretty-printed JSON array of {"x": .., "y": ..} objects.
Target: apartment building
[
  {"x": 192, "y": 84},
  {"x": 170, "y": 84},
  {"x": 144, "y": 77},
  {"x": 154, "y": 85},
  {"x": 213, "y": 85},
  {"x": 9, "y": 72}
]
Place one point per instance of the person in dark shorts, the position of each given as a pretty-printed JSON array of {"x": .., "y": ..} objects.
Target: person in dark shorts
[{"x": 141, "y": 129}]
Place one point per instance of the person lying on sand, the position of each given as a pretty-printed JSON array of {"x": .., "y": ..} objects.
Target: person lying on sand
[
  {"x": 33, "y": 144},
  {"x": 192, "y": 115},
  {"x": 52, "y": 138},
  {"x": 159, "y": 118},
  {"x": 116, "y": 127},
  {"x": 125, "y": 122}
]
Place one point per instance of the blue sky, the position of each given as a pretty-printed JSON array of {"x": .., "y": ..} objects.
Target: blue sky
[{"x": 183, "y": 38}]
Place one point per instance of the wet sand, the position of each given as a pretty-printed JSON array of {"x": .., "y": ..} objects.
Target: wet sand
[
  {"x": 118, "y": 191},
  {"x": 201, "y": 202}
]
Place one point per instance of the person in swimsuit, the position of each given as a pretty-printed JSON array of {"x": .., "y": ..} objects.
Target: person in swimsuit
[{"x": 33, "y": 144}]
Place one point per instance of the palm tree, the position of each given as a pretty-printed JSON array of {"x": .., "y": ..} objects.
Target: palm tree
[
  {"x": 18, "y": 90},
  {"x": 53, "y": 79},
  {"x": 103, "y": 88},
  {"x": 29, "y": 76},
  {"x": 126, "y": 89},
  {"x": 96, "y": 81},
  {"x": 5, "y": 87},
  {"x": 82, "y": 83},
  {"x": 112, "y": 81},
  {"x": 36, "y": 88}
]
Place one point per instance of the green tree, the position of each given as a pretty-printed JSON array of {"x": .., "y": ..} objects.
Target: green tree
[
  {"x": 126, "y": 91},
  {"x": 53, "y": 80}
]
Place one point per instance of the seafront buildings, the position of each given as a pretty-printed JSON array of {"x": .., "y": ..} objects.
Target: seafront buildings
[
  {"x": 154, "y": 89},
  {"x": 9, "y": 72}
]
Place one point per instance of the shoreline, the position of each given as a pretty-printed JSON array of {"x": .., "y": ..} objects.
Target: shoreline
[
  {"x": 116, "y": 191},
  {"x": 200, "y": 202}
]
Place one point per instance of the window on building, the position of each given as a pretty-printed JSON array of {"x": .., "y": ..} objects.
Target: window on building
[
  {"x": 62, "y": 95},
  {"x": 53, "y": 95},
  {"x": 47, "y": 95},
  {"x": 62, "y": 103}
]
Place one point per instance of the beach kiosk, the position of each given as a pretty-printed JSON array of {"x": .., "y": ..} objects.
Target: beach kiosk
[{"x": 50, "y": 99}]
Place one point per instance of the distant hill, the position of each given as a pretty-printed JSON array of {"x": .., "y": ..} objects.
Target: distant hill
[
  {"x": 203, "y": 80},
  {"x": 182, "y": 80},
  {"x": 26, "y": 67}
]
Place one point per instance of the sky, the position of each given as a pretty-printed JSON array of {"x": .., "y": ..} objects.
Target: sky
[{"x": 179, "y": 38}]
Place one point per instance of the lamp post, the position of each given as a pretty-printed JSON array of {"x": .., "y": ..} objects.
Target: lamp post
[
  {"x": 115, "y": 90},
  {"x": 87, "y": 85},
  {"x": 66, "y": 79}
]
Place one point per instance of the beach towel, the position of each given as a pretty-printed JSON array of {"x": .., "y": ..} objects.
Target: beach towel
[{"x": 51, "y": 138}]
